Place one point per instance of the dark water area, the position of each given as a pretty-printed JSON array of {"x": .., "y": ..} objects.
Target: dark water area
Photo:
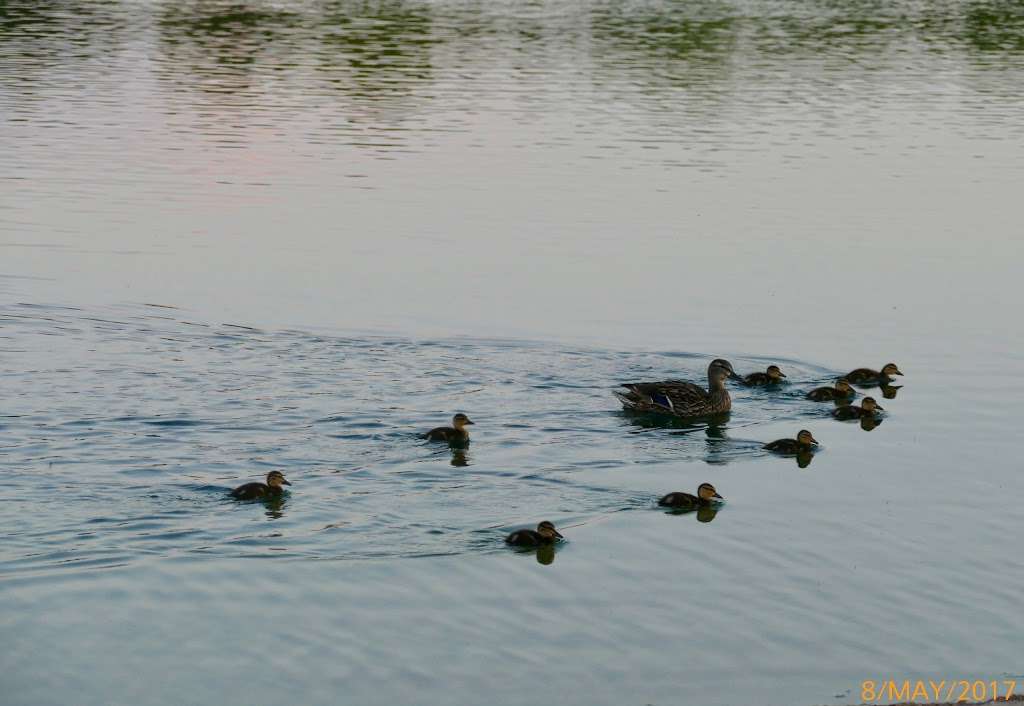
[{"x": 245, "y": 236}]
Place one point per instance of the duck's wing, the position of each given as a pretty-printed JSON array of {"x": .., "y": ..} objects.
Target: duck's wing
[
  {"x": 678, "y": 500},
  {"x": 439, "y": 434},
  {"x": 757, "y": 379},
  {"x": 249, "y": 491},
  {"x": 822, "y": 394},
  {"x": 785, "y": 445},
  {"x": 676, "y": 397}
]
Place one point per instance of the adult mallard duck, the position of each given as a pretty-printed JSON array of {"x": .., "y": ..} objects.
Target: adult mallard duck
[
  {"x": 772, "y": 376},
  {"x": 252, "y": 491},
  {"x": 803, "y": 443},
  {"x": 867, "y": 408},
  {"x": 706, "y": 496},
  {"x": 679, "y": 398},
  {"x": 545, "y": 534},
  {"x": 862, "y": 376},
  {"x": 455, "y": 434},
  {"x": 841, "y": 391}
]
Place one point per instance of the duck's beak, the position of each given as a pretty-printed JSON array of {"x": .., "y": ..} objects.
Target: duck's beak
[
  {"x": 716, "y": 495},
  {"x": 734, "y": 376},
  {"x": 899, "y": 373},
  {"x": 782, "y": 375},
  {"x": 878, "y": 406},
  {"x": 468, "y": 421},
  {"x": 285, "y": 481},
  {"x": 814, "y": 441},
  {"x": 558, "y": 534}
]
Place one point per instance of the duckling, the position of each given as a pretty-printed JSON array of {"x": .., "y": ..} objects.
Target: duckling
[
  {"x": 841, "y": 391},
  {"x": 862, "y": 376},
  {"x": 868, "y": 407},
  {"x": 272, "y": 488},
  {"x": 456, "y": 433},
  {"x": 545, "y": 534},
  {"x": 679, "y": 398},
  {"x": 801, "y": 444},
  {"x": 706, "y": 496},
  {"x": 772, "y": 376}
]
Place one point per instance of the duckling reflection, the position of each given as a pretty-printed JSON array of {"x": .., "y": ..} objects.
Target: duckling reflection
[
  {"x": 803, "y": 443},
  {"x": 706, "y": 514},
  {"x": 456, "y": 434},
  {"x": 804, "y": 458},
  {"x": 706, "y": 496},
  {"x": 546, "y": 554},
  {"x": 870, "y": 423},
  {"x": 275, "y": 506},
  {"x": 545, "y": 534},
  {"x": 460, "y": 458},
  {"x": 868, "y": 407},
  {"x": 842, "y": 392},
  {"x": 867, "y": 376},
  {"x": 253, "y": 491},
  {"x": 889, "y": 391},
  {"x": 772, "y": 376}
]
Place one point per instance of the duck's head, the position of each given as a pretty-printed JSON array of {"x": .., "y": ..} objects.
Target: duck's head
[
  {"x": 843, "y": 386},
  {"x": 275, "y": 479},
  {"x": 547, "y": 529},
  {"x": 460, "y": 420},
  {"x": 891, "y": 369},
  {"x": 706, "y": 491},
  {"x": 775, "y": 373},
  {"x": 806, "y": 438},
  {"x": 868, "y": 404},
  {"x": 720, "y": 369}
]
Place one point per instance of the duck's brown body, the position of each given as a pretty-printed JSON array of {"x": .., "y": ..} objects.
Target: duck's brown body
[
  {"x": 852, "y": 411},
  {"x": 788, "y": 446},
  {"x": 706, "y": 496},
  {"x": 252, "y": 491},
  {"x": 773, "y": 376},
  {"x": 683, "y": 501},
  {"x": 449, "y": 434},
  {"x": 680, "y": 398},
  {"x": 867, "y": 376},
  {"x": 829, "y": 394},
  {"x": 544, "y": 535}
]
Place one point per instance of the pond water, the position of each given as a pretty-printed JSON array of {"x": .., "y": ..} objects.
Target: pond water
[{"x": 245, "y": 236}]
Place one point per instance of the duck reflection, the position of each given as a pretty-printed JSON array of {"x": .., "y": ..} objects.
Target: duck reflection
[
  {"x": 704, "y": 514},
  {"x": 275, "y": 506},
  {"x": 870, "y": 423},
  {"x": 546, "y": 555},
  {"x": 460, "y": 457},
  {"x": 804, "y": 458},
  {"x": 889, "y": 391}
]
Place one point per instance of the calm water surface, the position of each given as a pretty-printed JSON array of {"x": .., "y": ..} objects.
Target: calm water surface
[{"x": 243, "y": 236}]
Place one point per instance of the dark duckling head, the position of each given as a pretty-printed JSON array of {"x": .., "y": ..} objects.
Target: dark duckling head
[
  {"x": 869, "y": 405},
  {"x": 806, "y": 438},
  {"x": 275, "y": 479},
  {"x": 460, "y": 421},
  {"x": 844, "y": 388},
  {"x": 891, "y": 369}
]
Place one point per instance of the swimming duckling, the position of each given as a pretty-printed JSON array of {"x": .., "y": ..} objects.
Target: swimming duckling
[
  {"x": 456, "y": 433},
  {"x": 801, "y": 444},
  {"x": 272, "y": 488},
  {"x": 841, "y": 391},
  {"x": 545, "y": 534},
  {"x": 772, "y": 376},
  {"x": 867, "y": 408},
  {"x": 679, "y": 398},
  {"x": 706, "y": 495},
  {"x": 862, "y": 376}
]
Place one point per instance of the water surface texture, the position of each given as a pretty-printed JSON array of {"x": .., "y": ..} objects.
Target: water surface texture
[{"x": 237, "y": 237}]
